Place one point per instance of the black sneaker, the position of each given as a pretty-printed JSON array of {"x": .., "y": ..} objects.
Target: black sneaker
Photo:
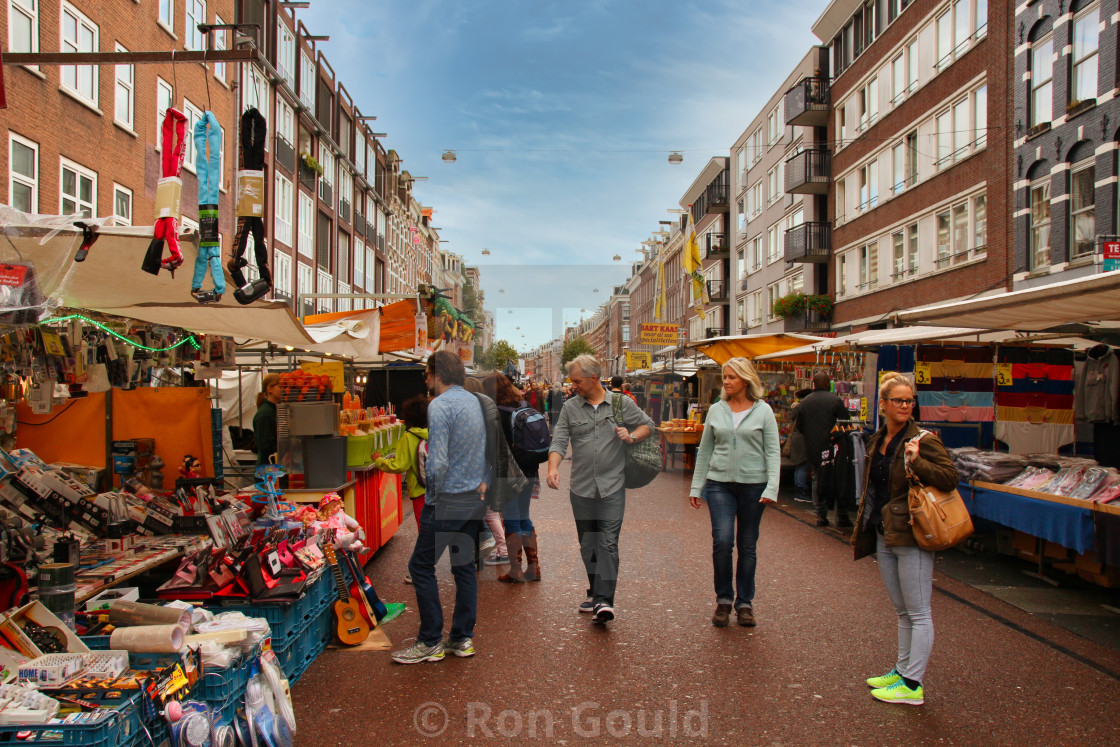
[
  {"x": 587, "y": 606},
  {"x": 604, "y": 613},
  {"x": 822, "y": 522}
]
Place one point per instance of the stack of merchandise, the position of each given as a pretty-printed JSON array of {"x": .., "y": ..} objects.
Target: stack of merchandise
[
  {"x": 956, "y": 393},
  {"x": 1035, "y": 399},
  {"x": 989, "y": 466},
  {"x": 1071, "y": 477}
]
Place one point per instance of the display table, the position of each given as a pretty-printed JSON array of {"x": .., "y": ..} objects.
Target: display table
[
  {"x": 685, "y": 440},
  {"x": 1065, "y": 521},
  {"x": 150, "y": 553}
]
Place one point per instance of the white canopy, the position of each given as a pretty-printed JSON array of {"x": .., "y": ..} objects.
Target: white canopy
[{"x": 874, "y": 337}]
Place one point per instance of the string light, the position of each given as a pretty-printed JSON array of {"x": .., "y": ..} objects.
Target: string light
[{"x": 189, "y": 338}]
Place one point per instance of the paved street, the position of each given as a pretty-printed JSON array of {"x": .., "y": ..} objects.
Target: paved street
[{"x": 661, "y": 673}]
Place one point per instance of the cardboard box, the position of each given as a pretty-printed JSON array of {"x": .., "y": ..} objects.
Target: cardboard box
[
  {"x": 121, "y": 594},
  {"x": 1026, "y": 546},
  {"x": 1109, "y": 577},
  {"x": 1056, "y": 552},
  {"x": 11, "y": 629}
]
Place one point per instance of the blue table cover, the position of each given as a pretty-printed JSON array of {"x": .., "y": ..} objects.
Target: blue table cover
[{"x": 1069, "y": 526}]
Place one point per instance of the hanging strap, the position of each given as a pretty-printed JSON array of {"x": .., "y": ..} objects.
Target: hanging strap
[
  {"x": 906, "y": 459},
  {"x": 173, "y": 147},
  {"x": 208, "y": 166},
  {"x": 254, "y": 130}
]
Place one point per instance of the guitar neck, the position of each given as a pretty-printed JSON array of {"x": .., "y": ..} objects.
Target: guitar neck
[{"x": 339, "y": 581}]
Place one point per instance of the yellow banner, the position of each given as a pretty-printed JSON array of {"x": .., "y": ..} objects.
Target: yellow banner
[
  {"x": 334, "y": 369},
  {"x": 638, "y": 361},
  {"x": 658, "y": 334}
]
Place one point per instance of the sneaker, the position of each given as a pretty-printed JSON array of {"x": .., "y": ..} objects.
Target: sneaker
[
  {"x": 462, "y": 649},
  {"x": 899, "y": 693},
  {"x": 408, "y": 578},
  {"x": 746, "y": 617},
  {"x": 419, "y": 652},
  {"x": 821, "y": 522},
  {"x": 587, "y": 606},
  {"x": 722, "y": 615},
  {"x": 487, "y": 543},
  {"x": 496, "y": 559},
  {"x": 886, "y": 680},
  {"x": 604, "y": 613}
]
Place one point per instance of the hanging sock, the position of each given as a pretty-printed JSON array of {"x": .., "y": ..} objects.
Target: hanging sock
[
  {"x": 208, "y": 165},
  {"x": 250, "y": 222},
  {"x": 173, "y": 145}
]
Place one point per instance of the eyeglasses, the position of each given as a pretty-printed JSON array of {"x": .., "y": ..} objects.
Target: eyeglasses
[{"x": 902, "y": 402}]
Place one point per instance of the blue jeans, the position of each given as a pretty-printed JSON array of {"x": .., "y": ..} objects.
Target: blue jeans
[
  {"x": 515, "y": 515},
  {"x": 801, "y": 480},
  {"x": 453, "y": 522},
  {"x": 598, "y": 523},
  {"x": 907, "y": 574},
  {"x": 728, "y": 501}
]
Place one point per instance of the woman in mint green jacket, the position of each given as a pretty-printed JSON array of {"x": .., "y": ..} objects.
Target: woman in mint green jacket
[{"x": 737, "y": 469}]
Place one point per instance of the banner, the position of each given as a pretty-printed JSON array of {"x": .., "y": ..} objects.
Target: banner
[
  {"x": 658, "y": 334},
  {"x": 638, "y": 361},
  {"x": 691, "y": 262}
]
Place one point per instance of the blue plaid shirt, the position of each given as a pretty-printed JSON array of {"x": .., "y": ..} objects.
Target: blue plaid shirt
[{"x": 456, "y": 444}]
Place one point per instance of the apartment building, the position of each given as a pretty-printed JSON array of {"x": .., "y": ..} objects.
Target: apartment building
[
  {"x": 1065, "y": 138},
  {"x": 781, "y": 235},
  {"x": 617, "y": 313},
  {"x": 84, "y": 139},
  {"x": 708, "y": 201},
  {"x": 920, "y": 161}
]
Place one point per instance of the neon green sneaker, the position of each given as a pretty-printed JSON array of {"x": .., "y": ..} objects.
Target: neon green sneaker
[
  {"x": 886, "y": 680},
  {"x": 899, "y": 693}
]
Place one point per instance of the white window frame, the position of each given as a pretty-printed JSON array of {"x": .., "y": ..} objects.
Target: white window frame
[
  {"x": 29, "y": 9},
  {"x": 285, "y": 121},
  {"x": 306, "y": 224},
  {"x": 79, "y": 171},
  {"x": 1080, "y": 59},
  {"x": 286, "y": 53},
  {"x": 14, "y": 177},
  {"x": 308, "y": 80},
  {"x": 898, "y": 254},
  {"x": 118, "y": 217},
  {"x": 324, "y": 284},
  {"x": 359, "y": 262},
  {"x": 282, "y": 223},
  {"x": 979, "y": 225},
  {"x": 305, "y": 283},
  {"x": 912, "y": 244},
  {"x": 842, "y": 275},
  {"x": 194, "y": 13},
  {"x": 78, "y": 72},
  {"x": 194, "y": 115},
  {"x": 281, "y": 273},
  {"x": 124, "y": 86},
  {"x": 1041, "y": 89},
  {"x": 166, "y": 14},
  {"x": 1090, "y": 210},
  {"x": 943, "y": 232},
  {"x": 221, "y": 43},
  {"x": 773, "y": 244},
  {"x": 371, "y": 262},
  {"x": 163, "y": 89}
]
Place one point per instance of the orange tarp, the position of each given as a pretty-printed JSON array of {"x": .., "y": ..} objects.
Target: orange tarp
[
  {"x": 398, "y": 327},
  {"x": 73, "y": 432}
]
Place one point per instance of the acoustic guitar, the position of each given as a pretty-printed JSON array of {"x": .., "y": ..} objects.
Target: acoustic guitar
[
  {"x": 362, "y": 588},
  {"x": 350, "y": 627}
]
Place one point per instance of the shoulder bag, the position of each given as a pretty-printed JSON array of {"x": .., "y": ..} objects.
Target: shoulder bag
[
  {"x": 938, "y": 519},
  {"x": 643, "y": 459}
]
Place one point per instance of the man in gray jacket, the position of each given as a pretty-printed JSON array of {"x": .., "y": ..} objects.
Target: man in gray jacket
[
  {"x": 816, "y": 416},
  {"x": 597, "y": 491}
]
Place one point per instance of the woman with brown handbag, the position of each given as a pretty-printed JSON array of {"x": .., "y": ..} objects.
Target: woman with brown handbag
[{"x": 883, "y": 527}]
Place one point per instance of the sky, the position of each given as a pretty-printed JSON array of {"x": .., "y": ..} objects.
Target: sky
[{"x": 562, "y": 116}]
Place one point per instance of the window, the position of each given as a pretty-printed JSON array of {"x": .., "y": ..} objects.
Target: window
[
  {"x": 741, "y": 314},
  {"x": 756, "y": 253},
  {"x": 79, "y": 190},
  {"x": 323, "y": 242},
  {"x": 325, "y": 285},
  {"x": 912, "y": 66},
  {"x": 373, "y": 275},
  {"x": 254, "y": 92},
  {"x": 167, "y": 14},
  {"x": 961, "y": 131},
  {"x": 981, "y": 18},
  {"x": 342, "y": 269},
  {"x": 980, "y": 116},
  {"x": 944, "y": 248},
  {"x": 754, "y": 198},
  {"x": 282, "y": 231},
  {"x": 23, "y": 174},
  {"x": 774, "y": 191},
  {"x": 221, "y": 43},
  {"x": 281, "y": 274},
  {"x": 23, "y": 26},
  {"x": 868, "y": 186},
  {"x": 307, "y": 80},
  {"x": 773, "y": 127},
  {"x": 285, "y": 121},
  {"x": 163, "y": 103},
  {"x": 122, "y": 205},
  {"x": 773, "y": 246},
  {"x": 841, "y": 199},
  {"x": 359, "y": 264},
  {"x": 326, "y": 160},
  {"x": 741, "y": 217},
  {"x": 898, "y": 256},
  {"x": 756, "y": 146},
  {"x": 868, "y": 104},
  {"x": 194, "y": 114},
  {"x": 898, "y": 78},
  {"x": 1040, "y": 223},
  {"x": 741, "y": 161},
  {"x": 944, "y": 40},
  {"x": 79, "y": 34},
  {"x": 868, "y": 266},
  {"x": 960, "y": 232},
  {"x": 842, "y": 124},
  {"x": 912, "y": 248},
  {"x": 1083, "y": 231},
  {"x": 124, "y": 96},
  {"x": 196, "y": 14},
  {"x": 773, "y": 293},
  {"x": 962, "y": 23},
  {"x": 1085, "y": 38},
  {"x": 1042, "y": 77},
  {"x": 306, "y": 219},
  {"x": 980, "y": 224},
  {"x": 944, "y": 138},
  {"x": 305, "y": 277},
  {"x": 286, "y": 54},
  {"x": 842, "y": 275},
  {"x": 898, "y": 167}
]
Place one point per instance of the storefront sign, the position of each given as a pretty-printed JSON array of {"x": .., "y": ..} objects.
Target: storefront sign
[
  {"x": 333, "y": 369},
  {"x": 922, "y": 373},
  {"x": 637, "y": 361},
  {"x": 863, "y": 408},
  {"x": 658, "y": 334},
  {"x": 1004, "y": 377}
]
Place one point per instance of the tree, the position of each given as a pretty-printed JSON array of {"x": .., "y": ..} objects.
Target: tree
[
  {"x": 574, "y": 347},
  {"x": 499, "y": 354}
]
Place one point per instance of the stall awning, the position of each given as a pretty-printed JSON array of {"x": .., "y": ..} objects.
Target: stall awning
[
  {"x": 723, "y": 349},
  {"x": 1085, "y": 300},
  {"x": 875, "y": 337}
]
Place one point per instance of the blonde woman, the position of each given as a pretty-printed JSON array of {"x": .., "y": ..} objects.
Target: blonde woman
[
  {"x": 737, "y": 466},
  {"x": 883, "y": 528}
]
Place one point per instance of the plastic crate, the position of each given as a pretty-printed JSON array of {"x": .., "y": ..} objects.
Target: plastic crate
[
  {"x": 121, "y": 728},
  {"x": 285, "y": 619},
  {"x": 223, "y": 689}
]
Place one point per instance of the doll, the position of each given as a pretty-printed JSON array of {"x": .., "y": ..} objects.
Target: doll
[
  {"x": 190, "y": 467},
  {"x": 349, "y": 534},
  {"x": 308, "y": 516}
]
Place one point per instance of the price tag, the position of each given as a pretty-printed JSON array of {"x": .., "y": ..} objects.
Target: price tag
[
  {"x": 1004, "y": 375},
  {"x": 863, "y": 408},
  {"x": 922, "y": 373}
]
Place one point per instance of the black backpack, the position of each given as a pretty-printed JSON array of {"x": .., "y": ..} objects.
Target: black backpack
[{"x": 530, "y": 436}]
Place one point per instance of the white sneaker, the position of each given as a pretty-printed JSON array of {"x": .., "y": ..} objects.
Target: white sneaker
[{"x": 487, "y": 543}]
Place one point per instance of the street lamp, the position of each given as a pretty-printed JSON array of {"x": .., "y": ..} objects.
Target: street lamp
[
  {"x": 676, "y": 158},
  {"x": 449, "y": 156}
]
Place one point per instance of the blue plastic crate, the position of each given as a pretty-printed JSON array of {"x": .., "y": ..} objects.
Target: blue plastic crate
[
  {"x": 121, "y": 728},
  {"x": 223, "y": 688},
  {"x": 285, "y": 619}
]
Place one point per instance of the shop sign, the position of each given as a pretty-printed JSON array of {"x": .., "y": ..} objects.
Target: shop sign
[
  {"x": 658, "y": 334},
  {"x": 922, "y": 374},
  {"x": 1111, "y": 255},
  {"x": 1004, "y": 376},
  {"x": 333, "y": 369},
  {"x": 863, "y": 408},
  {"x": 637, "y": 361}
]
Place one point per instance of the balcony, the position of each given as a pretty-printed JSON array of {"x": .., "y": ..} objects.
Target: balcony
[
  {"x": 809, "y": 172},
  {"x": 359, "y": 224},
  {"x": 716, "y": 247},
  {"x": 716, "y": 197},
  {"x": 809, "y": 242},
  {"x": 717, "y": 290},
  {"x": 808, "y": 102},
  {"x": 326, "y": 192},
  {"x": 306, "y": 175},
  {"x": 809, "y": 320},
  {"x": 285, "y": 154},
  {"x": 344, "y": 210}
]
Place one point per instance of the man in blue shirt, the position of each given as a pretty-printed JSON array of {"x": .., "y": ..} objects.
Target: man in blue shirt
[{"x": 453, "y": 509}]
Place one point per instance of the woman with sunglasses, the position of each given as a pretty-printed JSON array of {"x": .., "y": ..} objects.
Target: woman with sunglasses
[{"x": 883, "y": 528}]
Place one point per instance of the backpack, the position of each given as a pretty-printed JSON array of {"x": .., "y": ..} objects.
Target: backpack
[
  {"x": 421, "y": 461},
  {"x": 530, "y": 436}
]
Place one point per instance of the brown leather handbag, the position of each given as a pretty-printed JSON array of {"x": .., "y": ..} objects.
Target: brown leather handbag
[{"x": 938, "y": 519}]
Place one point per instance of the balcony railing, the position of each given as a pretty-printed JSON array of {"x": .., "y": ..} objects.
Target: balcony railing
[
  {"x": 285, "y": 154},
  {"x": 306, "y": 175},
  {"x": 809, "y": 242},
  {"x": 326, "y": 192},
  {"x": 716, "y": 246},
  {"x": 717, "y": 290},
  {"x": 716, "y": 198},
  {"x": 344, "y": 210},
  {"x": 809, "y": 172},
  {"x": 359, "y": 224},
  {"x": 809, "y": 320},
  {"x": 808, "y": 102}
]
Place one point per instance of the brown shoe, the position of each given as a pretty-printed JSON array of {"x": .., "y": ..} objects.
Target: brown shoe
[
  {"x": 746, "y": 617},
  {"x": 722, "y": 615}
]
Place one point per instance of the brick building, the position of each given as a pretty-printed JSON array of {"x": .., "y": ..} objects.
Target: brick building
[
  {"x": 920, "y": 156},
  {"x": 1066, "y": 124}
]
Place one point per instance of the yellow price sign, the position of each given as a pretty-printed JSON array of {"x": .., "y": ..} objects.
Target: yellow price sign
[
  {"x": 1004, "y": 374},
  {"x": 334, "y": 369},
  {"x": 922, "y": 374},
  {"x": 863, "y": 408}
]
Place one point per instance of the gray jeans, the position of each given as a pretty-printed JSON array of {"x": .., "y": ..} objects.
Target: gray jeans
[
  {"x": 908, "y": 575},
  {"x": 598, "y": 523}
]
